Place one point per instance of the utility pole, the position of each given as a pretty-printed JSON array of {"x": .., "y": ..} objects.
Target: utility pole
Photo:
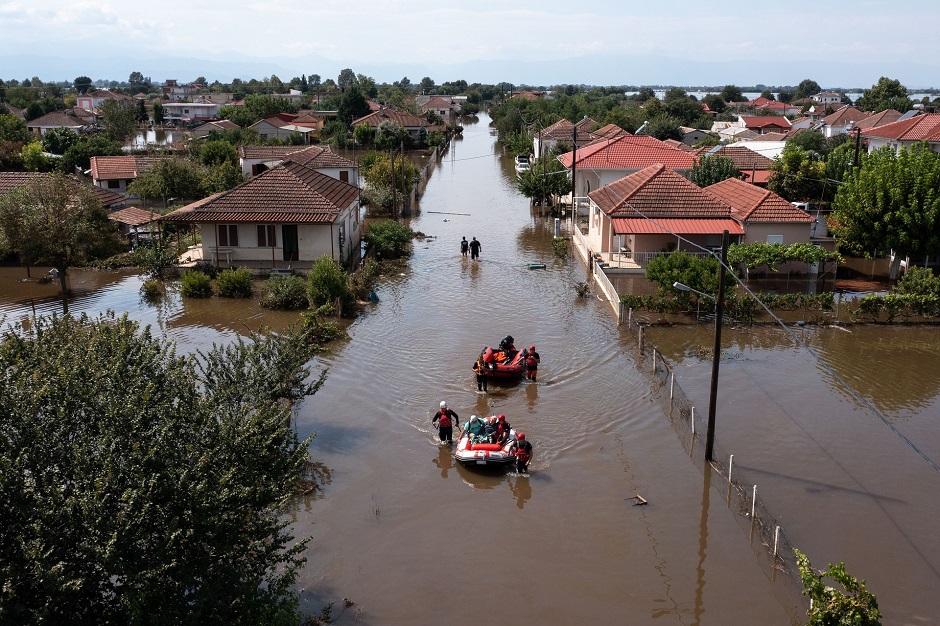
[
  {"x": 716, "y": 355},
  {"x": 391, "y": 154},
  {"x": 574, "y": 160}
]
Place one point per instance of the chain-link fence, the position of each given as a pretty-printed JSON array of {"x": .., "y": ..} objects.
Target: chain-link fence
[{"x": 769, "y": 541}]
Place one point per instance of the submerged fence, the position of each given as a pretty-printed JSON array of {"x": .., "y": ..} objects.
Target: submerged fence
[{"x": 768, "y": 539}]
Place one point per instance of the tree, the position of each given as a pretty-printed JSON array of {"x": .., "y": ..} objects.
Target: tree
[
  {"x": 389, "y": 135},
  {"x": 315, "y": 84},
  {"x": 158, "y": 113},
  {"x": 830, "y": 607},
  {"x": 891, "y": 204},
  {"x": 352, "y": 105},
  {"x": 327, "y": 282},
  {"x": 138, "y": 82},
  {"x": 426, "y": 85},
  {"x": 34, "y": 160},
  {"x": 142, "y": 115},
  {"x": 119, "y": 119},
  {"x": 54, "y": 220},
  {"x": 806, "y": 88},
  {"x": 797, "y": 175},
  {"x": 155, "y": 484},
  {"x": 79, "y": 154},
  {"x": 732, "y": 93},
  {"x": 216, "y": 151},
  {"x": 58, "y": 140},
  {"x": 546, "y": 178},
  {"x": 13, "y": 128},
  {"x": 664, "y": 127},
  {"x": 886, "y": 94},
  {"x": 170, "y": 178},
  {"x": 389, "y": 239},
  {"x": 364, "y": 134},
  {"x": 346, "y": 79},
  {"x": 714, "y": 102},
  {"x": 82, "y": 84},
  {"x": 713, "y": 169},
  {"x": 767, "y": 94}
]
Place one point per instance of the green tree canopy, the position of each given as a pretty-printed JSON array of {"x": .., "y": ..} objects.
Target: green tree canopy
[
  {"x": 146, "y": 487},
  {"x": 54, "y": 220},
  {"x": 886, "y": 94},
  {"x": 797, "y": 175},
  {"x": 352, "y": 105},
  {"x": 732, "y": 93},
  {"x": 346, "y": 79},
  {"x": 176, "y": 178},
  {"x": 119, "y": 119},
  {"x": 13, "y": 128},
  {"x": 82, "y": 84},
  {"x": 713, "y": 169},
  {"x": 891, "y": 203},
  {"x": 855, "y": 606},
  {"x": 806, "y": 88}
]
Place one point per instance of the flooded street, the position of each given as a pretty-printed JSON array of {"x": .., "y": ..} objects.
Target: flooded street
[{"x": 410, "y": 537}]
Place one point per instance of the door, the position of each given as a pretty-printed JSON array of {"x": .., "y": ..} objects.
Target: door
[{"x": 289, "y": 238}]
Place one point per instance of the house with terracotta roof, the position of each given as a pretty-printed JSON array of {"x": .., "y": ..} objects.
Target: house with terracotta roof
[
  {"x": 286, "y": 217},
  {"x": 565, "y": 132},
  {"x": 905, "y": 133},
  {"x": 604, "y": 162},
  {"x": 92, "y": 100},
  {"x": 878, "y": 119},
  {"x": 656, "y": 211},
  {"x": 115, "y": 173},
  {"x": 827, "y": 98},
  {"x": 57, "y": 119},
  {"x": 754, "y": 167},
  {"x": 256, "y": 159},
  {"x": 442, "y": 106},
  {"x": 764, "y": 123},
  {"x": 416, "y": 126},
  {"x": 765, "y": 216},
  {"x": 208, "y": 128},
  {"x": 841, "y": 121}
]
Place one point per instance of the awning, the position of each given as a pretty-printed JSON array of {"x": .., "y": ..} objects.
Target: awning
[{"x": 674, "y": 225}]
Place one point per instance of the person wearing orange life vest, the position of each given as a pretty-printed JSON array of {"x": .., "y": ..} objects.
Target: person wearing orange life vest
[
  {"x": 480, "y": 368},
  {"x": 522, "y": 450},
  {"x": 445, "y": 420},
  {"x": 532, "y": 361}
]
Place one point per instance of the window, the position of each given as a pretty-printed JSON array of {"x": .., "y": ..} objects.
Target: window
[
  {"x": 775, "y": 239},
  {"x": 344, "y": 176},
  {"x": 266, "y": 237},
  {"x": 114, "y": 184},
  {"x": 228, "y": 235}
]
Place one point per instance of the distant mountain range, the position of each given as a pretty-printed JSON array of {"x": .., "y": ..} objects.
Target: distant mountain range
[{"x": 586, "y": 70}]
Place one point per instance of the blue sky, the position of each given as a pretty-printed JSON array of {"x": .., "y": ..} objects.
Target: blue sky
[{"x": 836, "y": 43}]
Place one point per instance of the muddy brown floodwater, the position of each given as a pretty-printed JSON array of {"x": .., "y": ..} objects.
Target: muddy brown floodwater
[{"x": 412, "y": 538}]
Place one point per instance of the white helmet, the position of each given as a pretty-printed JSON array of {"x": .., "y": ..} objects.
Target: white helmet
[
  {"x": 443, "y": 404},
  {"x": 473, "y": 418}
]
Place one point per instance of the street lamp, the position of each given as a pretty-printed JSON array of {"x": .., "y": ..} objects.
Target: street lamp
[
  {"x": 698, "y": 303},
  {"x": 716, "y": 354}
]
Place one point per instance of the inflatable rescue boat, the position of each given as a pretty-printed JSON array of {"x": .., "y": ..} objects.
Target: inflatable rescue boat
[
  {"x": 503, "y": 363},
  {"x": 482, "y": 455}
]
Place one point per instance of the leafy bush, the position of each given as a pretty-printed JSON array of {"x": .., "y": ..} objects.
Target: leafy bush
[
  {"x": 206, "y": 268},
  {"x": 235, "y": 283},
  {"x": 856, "y": 605},
  {"x": 328, "y": 282},
  {"x": 919, "y": 281},
  {"x": 195, "y": 284},
  {"x": 560, "y": 246},
  {"x": 152, "y": 289},
  {"x": 363, "y": 280},
  {"x": 582, "y": 289},
  {"x": 389, "y": 239},
  {"x": 153, "y": 257},
  {"x": 319, "y": 333},
  {"x": 286, "y": 293}
]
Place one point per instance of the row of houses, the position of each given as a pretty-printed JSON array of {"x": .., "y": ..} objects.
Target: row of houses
[{"x": 632, "y": 192}]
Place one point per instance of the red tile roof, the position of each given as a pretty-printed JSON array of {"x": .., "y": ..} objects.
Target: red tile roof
[
  {"x": 291, "y": 194},
  {"x": 744, "y": 158},
  {"x": 133, "y": 216},
  {"x": 756, "y": 204},
  {"x": 121, "y": 167},
  {"x": 403, "y": 119},
  {"x": 673, "y": 225},
  {"x": 56, "y": 119},
  {"x": 319, "y": 157},
  {"x": 766, "y": 121},
  {"x": 629, "y": 152},
  {"x": 843, "y": 116},
  {"x": 879, "y": 119},
  {"x": 918, "y": 128},
  {"x": 657, "y": 191},
  {"x": 11, "y": 181}
]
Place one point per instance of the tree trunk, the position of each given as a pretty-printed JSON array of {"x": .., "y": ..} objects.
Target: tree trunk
[{"x": 62, "y": 284}]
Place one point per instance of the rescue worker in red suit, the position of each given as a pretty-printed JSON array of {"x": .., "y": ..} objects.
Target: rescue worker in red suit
[
  {"x": 445, "y": 420},
  {"x": 522, "y": 450},
  {"x": 502, "y": 430},
  {"x": 532, "y": 361}
]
